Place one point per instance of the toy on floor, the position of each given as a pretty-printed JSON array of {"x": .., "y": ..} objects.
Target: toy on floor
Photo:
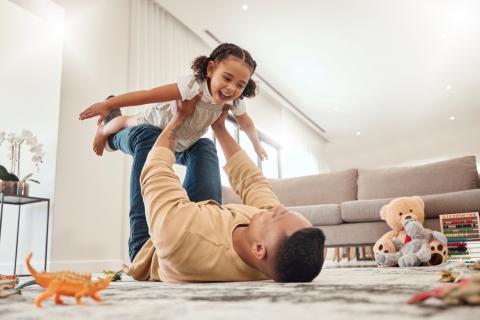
[
  {"x": 402, "y": 209},
  {"x": 66, "y": 284},
  {"x": 112, "y": 275},
  {"x": 466, "y": 291},
  {"x": 415, "y": 252},
  {"x": 9, "y": 281},
  {"x": 475, "y": 266},
  {"x": 450, "y": 275}
]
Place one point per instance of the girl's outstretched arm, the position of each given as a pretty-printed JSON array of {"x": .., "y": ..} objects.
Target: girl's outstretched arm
[
  {"x": 169, "y": 92},
  {"x": 246, "y": 123}
]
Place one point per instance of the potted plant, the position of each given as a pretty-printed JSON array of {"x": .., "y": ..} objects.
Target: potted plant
[
  {"x": 10, "y": 184},
  {"x": 8, "y": 181}
]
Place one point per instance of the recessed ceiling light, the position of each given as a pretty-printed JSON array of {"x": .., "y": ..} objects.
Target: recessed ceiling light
[
  {"x": 452, "y": 118},
  {"x": 358, "y": 133},
  {"x": 245, "y": 7},
  {"x": 448, "y": 88}
]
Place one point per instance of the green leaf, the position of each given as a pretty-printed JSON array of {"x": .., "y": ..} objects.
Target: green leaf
[
  {"x": 3, "y": 173},
  {"x": 10, "y": 177}
]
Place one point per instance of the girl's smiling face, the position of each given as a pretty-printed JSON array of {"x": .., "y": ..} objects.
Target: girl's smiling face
[{"x": 228, "y": 78}]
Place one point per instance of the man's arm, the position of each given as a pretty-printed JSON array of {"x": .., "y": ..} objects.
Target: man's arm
[
  {"x": 245, "y": 178},
  {"x": 168, "y": 209}
]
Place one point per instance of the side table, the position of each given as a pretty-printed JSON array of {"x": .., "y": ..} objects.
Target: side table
[{"x": 21, "y": 201}]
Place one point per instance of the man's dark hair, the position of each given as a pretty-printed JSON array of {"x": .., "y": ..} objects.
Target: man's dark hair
[{"x": 300, "y": 256}]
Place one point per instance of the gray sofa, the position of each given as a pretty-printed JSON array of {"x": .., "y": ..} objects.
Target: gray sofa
[{"x": 346, "y": 204}]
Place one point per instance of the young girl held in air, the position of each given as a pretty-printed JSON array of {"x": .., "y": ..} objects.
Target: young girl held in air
[{"x": 223, "y": 78}]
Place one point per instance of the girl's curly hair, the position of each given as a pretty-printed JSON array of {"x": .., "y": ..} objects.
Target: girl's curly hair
[{"x": 199, "y": 65}]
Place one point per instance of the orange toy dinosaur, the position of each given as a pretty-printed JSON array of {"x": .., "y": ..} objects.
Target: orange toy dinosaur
[{"x": 66, "y": 284}]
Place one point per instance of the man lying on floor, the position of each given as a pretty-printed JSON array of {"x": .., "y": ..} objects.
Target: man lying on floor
[{"x": 205, "y": 241}]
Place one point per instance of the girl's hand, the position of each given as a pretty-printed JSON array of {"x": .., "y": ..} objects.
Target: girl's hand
[
  {"x": 99, "y": 109},
  {"x": 220, "y": 122},
  {"x": 261, "y": 153}
]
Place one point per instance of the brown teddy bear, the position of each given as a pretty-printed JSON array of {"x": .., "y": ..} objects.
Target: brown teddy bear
[{"x": 398, "y": 210}]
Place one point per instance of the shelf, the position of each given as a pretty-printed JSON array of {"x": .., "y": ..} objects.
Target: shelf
[{"x": 19, "y": 200}]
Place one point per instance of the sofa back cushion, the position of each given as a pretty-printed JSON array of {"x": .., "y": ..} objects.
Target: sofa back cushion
[
  {"x": 439, "y": 177},
  {"x": 229, "y": 196},
  {"x": 328, "y": 188}
]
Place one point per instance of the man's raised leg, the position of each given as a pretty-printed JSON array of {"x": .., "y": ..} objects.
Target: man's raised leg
[
  {"x": 202, "y": 180},
  {"x": 137, "y": 142}
]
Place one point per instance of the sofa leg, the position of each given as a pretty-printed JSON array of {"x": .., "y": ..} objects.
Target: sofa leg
[
  {"x": 336, "y": 255},
  {"x": 352, "y": 253}
]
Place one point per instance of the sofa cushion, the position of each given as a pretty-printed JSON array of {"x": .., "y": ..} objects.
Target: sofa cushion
[
  {"x": 435, "y": 204},
  {"x": 366, "y": 233},
  {"x": 320, "y": 215},
  {"x": 228, "y": 196},
  {"x": 325, "y": 188},
  {"x": 440, "y": 177}
]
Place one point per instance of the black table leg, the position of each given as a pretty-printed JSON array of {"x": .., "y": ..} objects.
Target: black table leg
[
  {"x": 46, "y": 236},
  {"x": 16, "y": 242},
  {"x": 1, "y": 216}
]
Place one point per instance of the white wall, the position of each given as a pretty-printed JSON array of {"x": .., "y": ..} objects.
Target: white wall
[
  {"x": 455, "y": 140},
  {"x": 88, "y": 227},
  {"x": 30, "y": 70}
]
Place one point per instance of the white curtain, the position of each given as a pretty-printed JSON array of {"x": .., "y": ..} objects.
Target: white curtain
[{"x": 161, "y": 47}]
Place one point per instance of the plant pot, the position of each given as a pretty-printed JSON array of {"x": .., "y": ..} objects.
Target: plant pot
[
  {"x": 14, "y": 188},
  {"x": 8, "y": 187},
  {"x": 23, "y": 188}
]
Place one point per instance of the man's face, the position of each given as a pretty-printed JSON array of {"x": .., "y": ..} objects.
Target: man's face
[{"x": 272, "y": 226}]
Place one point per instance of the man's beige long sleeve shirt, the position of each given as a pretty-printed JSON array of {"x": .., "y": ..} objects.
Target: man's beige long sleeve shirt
[{"x": 192, "y": 241}]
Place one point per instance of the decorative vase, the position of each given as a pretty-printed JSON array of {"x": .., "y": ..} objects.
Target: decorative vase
[
  {"x": 23, "y": 188},
  {"x": 9, "y": 188}
]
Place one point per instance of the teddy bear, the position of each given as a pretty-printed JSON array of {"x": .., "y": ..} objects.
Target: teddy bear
[
  {"x": 415, "y": 252},
  {"x": 403, "y": 209}
]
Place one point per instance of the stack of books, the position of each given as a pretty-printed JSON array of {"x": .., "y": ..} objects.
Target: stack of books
[{"x": 463, "y": 236}]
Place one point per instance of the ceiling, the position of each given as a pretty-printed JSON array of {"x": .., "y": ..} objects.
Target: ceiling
[{"x": 357, "y": 67}]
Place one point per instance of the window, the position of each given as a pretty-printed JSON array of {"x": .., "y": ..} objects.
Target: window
[{"x": 270, "y": 167}]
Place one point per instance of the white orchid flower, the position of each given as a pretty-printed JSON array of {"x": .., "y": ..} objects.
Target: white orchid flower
[
  {"x": 26, "y": 134},
  {"x": 32, "y": 141},
  {"x": 10, "y": 137}
]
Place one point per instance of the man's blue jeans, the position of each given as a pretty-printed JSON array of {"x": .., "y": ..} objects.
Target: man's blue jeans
[{"x": 202, "y": 179}]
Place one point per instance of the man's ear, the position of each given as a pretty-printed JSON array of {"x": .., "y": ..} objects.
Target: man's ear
[
  {"x": 210, "y": 68},
  {"x": 259, "y": 251}
]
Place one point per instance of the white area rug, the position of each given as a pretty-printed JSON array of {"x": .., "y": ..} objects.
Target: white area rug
[{"x": 338, "y": 293}]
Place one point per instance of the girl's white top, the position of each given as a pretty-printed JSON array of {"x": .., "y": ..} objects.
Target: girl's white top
[{"x": 204, "y": 114}]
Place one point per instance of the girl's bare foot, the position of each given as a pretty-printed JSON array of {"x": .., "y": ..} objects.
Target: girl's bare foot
[{"x": 99, "y": 141}]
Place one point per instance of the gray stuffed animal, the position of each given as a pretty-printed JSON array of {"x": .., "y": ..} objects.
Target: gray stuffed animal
[{"x": 415, "y": 252}]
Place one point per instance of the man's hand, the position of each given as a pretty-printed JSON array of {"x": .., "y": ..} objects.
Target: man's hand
[
  {"x": 185, "y": 108},
  {"x": 220, "y": 122},
  {"x": 99, "y": 109},
  {"x": 169, "y": 136}
]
